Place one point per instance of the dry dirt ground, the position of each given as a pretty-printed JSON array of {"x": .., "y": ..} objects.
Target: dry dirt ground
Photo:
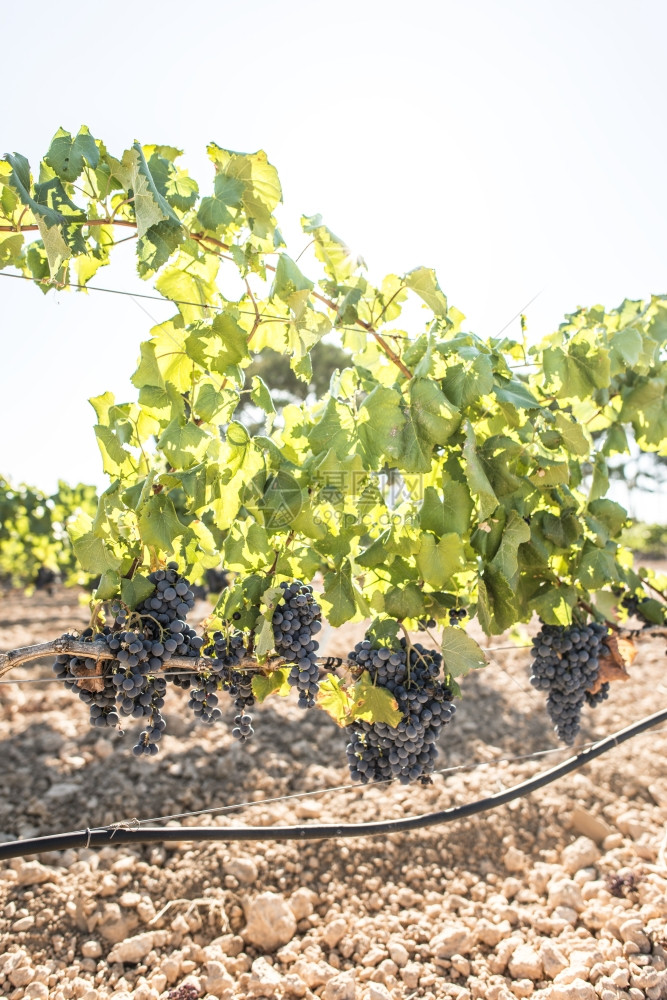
[{"x": 562, "y": 894}]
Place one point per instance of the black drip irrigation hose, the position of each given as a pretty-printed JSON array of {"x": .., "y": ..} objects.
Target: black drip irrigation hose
[{"x": 121, "y": 834}]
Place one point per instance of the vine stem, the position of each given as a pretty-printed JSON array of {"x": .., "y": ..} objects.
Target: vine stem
[
  {"x": 98, "y": 653},
  {"x": 288, "y": 542},
  {"x": 655, "y": 590},
  {"x": 203, "y": 238}
]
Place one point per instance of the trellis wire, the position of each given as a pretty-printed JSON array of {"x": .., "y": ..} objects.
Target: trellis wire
[
  {"x": 272, "y": 800},
  {"x": 213, "y": 308},
  {"x": 124, "y": 834}
]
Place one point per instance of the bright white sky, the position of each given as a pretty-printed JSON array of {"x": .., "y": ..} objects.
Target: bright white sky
[{"x": 517, "y": 147}]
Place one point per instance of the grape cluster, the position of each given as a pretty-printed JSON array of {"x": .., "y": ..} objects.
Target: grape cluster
[
  {"x": 45, "y": 579},
  {"x": 633, "y": 605},
  {"x": 296, "y": 620},
  {"x": 425, "y": 623},
  {"x": 68, "y": 668},
  {"x": 456, "y": 615},
  {"x": 596, "y": 699},
  {"x": 566, "y": 663},
  {"x": 141, "y": 642},
  {"x": 380, "y": 752},
  {"x": 227, "y": 652},
  {"x": 145, "y": 648}
]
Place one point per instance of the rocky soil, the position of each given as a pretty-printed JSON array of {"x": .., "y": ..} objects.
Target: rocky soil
[{"x": 559, "y": 895}]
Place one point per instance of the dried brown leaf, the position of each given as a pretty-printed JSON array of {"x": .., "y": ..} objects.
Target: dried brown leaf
[{"x": 613, "y": 666}]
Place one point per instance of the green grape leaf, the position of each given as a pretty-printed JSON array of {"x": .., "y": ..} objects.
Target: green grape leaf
[
  {"x": 136, "y": 590},
  {"x": 600, "y": 484},
  {"x": 220, "y": 210},
  {"x": 261, "y": 396},
  {"x": 156, "y": 247},
  {"x": 464, "y": 383},
  {"x": 108, "y": 587},
  {"x": 219, "y": 345},
  {"x": 496, "y": 602},
  {"x": 57, "y": 250},
  {"x": 94, "y": 554},
  {"x": 338, "y": 599},
  {"x": 578, "y": 370},
  {"x": 550, "y": 474},
  {"x": 214, "y": 404},
  {"x": 376, "y": 554},
  {"x": 190, "y": 280},
  {"x": 616, "y": 441},
  {"x": 183, "y": 444},
  {"x": 645, "y": 406},
  {"x": 290, "y": 284},
  {"x": 339, "y": 263},
  {"x": 261, "y": 190},
  {"x": 384, "y": 632},
  {"x": 573, "y": 435},
  {"x": 424, "y": 282},
  {"x": 334, "y": 700},
  {"x": 373, "y": 704},
  {"x": 653, "y": 611},
  {"x": 626, "y": 347},
  {"x": 476, "y": 476},
  {"x": 515, "y": 533},
  {"x": 438, "y": 561},
  {"x": 150, "y": 207},
  {"x": 451, "y": 513},
  {"x": 331, "y": 432},
  {"x": 554, "y": 604},
  {"x": 380, "y": 422},
  {"x": 404, "y": 602},
  {"x": 67, "y": 155},
  {"x": 159, "y": 525},
  {"x": 276, "y": 682},
  {"x": 10, "y": 250},
  {"x": 516, "y": 394},
  {"x": 610, "y": 513},
  {"x": 282, "y": 500},
  {"x": 597, "y": 567},
  {"x": 264, "y": 637},
  {"x": 430, "y": 420},
  {"x": 460, "y": 652},
  {"x": 116, "y": 460},
  {"x": 19, "y": 179}
]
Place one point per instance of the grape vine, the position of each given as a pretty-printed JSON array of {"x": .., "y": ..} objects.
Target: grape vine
[
  {"x": 35, "y": 548},
  {"x": 442, "y": 478}
]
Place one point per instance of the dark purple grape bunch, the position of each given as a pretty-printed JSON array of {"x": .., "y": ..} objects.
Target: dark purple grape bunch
[
  {"x": 142, "y": 642},
  {"x": 296, "y": 620},
  {"x": 380, "y": 752},
  {"x": 634, "y": 605},
  {"x": 425, "y": 623},
  {"x": 456, "y": 615},
  {"x": 68, "y": 669},
  {"x": 227, "y": 652},
  {"x": 172, "y": 598},
  {"x": 593, "y": 700},
  {"x": 140, "y": 693},
  {"x": 566, "y": 664}
]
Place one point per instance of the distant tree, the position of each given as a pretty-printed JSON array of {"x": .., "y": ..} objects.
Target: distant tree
[{"x": 275, "y": 370}]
